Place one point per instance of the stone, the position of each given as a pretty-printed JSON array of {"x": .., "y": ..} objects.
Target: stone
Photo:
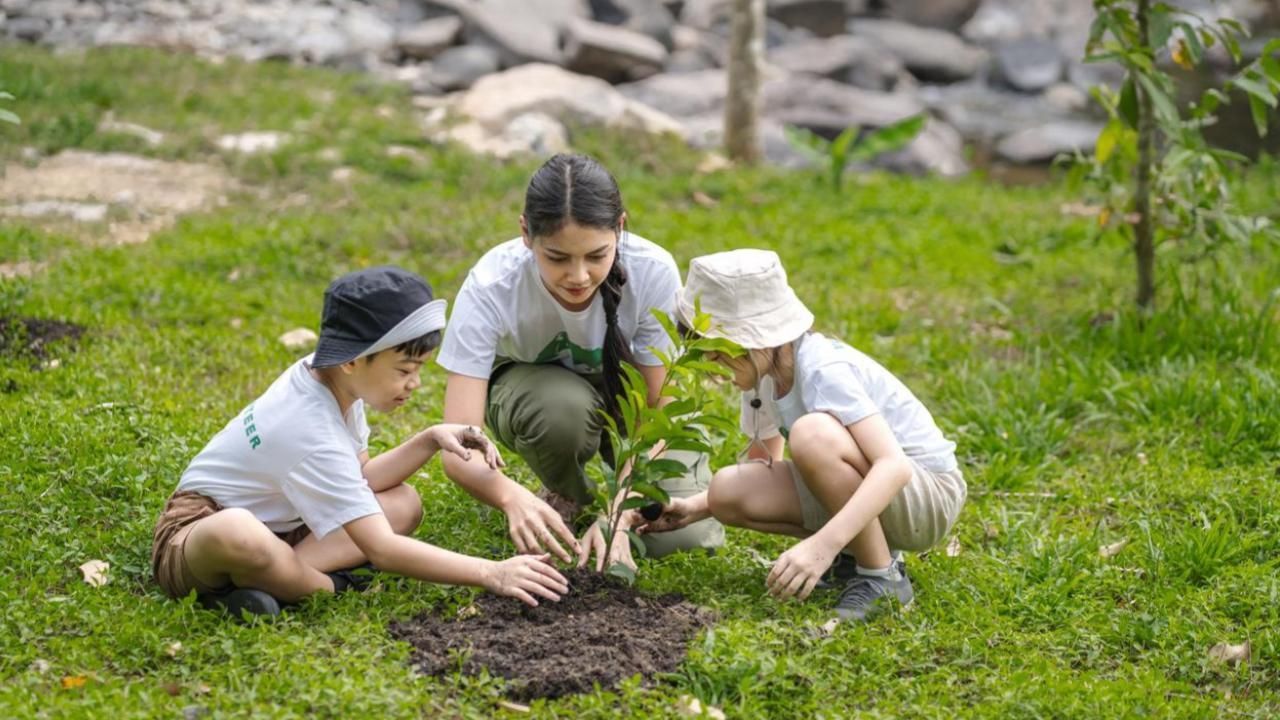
[
  {"x": 857, "y": 61},
  {"x": 145, "y": 134},
  {"x": 77, "y": 211},
  {"x": 940, "y": 14},
  {"x": 30, "y": 29},
  {"x": 367, "y": 33},
  {"x": 610, "y": 52},
  {"x": 686, "y": 61},
  {"x": 1045, "y": 142},
  {"x": 985, "y": 113},
  {"x": 321, "y": 46},
  {"x": 252, "y": 143},
  {"x": 522, "y": 31},
  {"x": 827, "y": 107},
  {"x": 643, "y": 16},
  {"x": 931, "y": 55},
  {"x": 459, "y": 67},
  {"x": 426, "y": 39},
  {"x": 566, "y": 96},
  {"x": 824, "y": 18},
  {"x": 537, "y": 133},
  {"x": 937, "y": 150},
  {"x": 1028, "y": 64},
  {"x": 682, "y": 95}
]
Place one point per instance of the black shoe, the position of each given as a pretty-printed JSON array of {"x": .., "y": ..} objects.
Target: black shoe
[
  {"x": 357, "y": 579},
  {"x": 237, "y": 601},
  {"x": 841, "y": 571}
]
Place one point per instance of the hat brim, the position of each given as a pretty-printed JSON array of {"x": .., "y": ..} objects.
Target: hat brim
[
  {"x": 332, "y": 351},
  {"x": 774, "y": 328}
]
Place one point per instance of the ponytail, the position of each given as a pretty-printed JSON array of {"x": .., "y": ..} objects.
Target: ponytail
[{"x": 616, "y": 348}]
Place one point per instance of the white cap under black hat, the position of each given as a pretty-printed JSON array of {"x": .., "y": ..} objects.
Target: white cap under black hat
[{"x": 371, "y": 310}]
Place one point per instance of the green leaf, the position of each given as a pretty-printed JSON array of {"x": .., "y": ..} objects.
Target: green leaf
[
  {"x": 689, "y": 444},
  {"x": 9, "y": 117},
  {"x": 634, "y": 503},
  {"x": 1108, "y": 139},
  {"x": 666, "y": 467},
  {"x": 806, "y": 142},
  {"x": 651, "y": 491},
  {"x": 720, "y": 345},
  {"x": 668, "y": 325},
  {"x": 1256, "y": 88},
  {"x": 1259, "y": 112},
  {"x": 1160, "y": 100},
  {"x": 637, "y": 544},
  {"x": 623, "y": 571},
  {"x": 1128, "y": 104},
  {"x": 889, "y": 138},
  {"x": 840, "y": 146},
  {"x": 1160, "y": 26}
]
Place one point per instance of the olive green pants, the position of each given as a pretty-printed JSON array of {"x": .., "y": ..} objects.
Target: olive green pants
[{"x": 548, "y": 415}]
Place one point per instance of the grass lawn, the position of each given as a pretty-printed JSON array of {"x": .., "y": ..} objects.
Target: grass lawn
[{"x": 1077, "y": 429}]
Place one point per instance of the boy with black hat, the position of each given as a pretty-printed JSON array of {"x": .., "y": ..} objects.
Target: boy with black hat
[{"x": 286, "y": 495}]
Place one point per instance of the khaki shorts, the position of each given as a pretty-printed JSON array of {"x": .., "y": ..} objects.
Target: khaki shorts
[
  {"x": 917, "y": 518},
  {"x": 168, "y": 542}
]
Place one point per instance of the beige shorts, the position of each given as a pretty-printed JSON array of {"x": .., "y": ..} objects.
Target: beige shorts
[
  {"x": 168, "y": 542},
  {"x": 917, "y": 518}
]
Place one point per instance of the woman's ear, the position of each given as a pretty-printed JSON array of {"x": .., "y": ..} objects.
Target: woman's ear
[
  {"x": 524, "y": 232},
  {"x": 622, "y": 222}
]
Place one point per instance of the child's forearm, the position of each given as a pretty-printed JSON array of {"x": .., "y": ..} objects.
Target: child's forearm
[
  {"x": 422, "y": 561},
  {"x": 885, "y": 480},
  {"x": 396, "y": 465},
  {"x": 482, "y": 482}
]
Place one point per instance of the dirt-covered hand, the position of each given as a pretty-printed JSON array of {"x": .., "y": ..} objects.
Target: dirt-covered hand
[
  {"x": 798, "y": 570},
  {"x": 462, "y": 439},
  {"x": 526, "y": 578},
  {"x": 536, "y": 527},
  {"x": 593, "y": 543}
]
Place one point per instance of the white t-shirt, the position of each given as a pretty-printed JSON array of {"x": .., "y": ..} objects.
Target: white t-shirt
[
  {"x": 289, "y": 458},
  {"x": 834, "y": 378},
  {"x": 504, "y": 312}
]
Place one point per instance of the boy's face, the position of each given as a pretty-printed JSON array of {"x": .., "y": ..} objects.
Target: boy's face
[{"x": 386, "y": 382}]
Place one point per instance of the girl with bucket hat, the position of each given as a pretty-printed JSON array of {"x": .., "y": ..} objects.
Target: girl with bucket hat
[
  {"x": 870, "y": 473},
  {"x": 535, "y": 347}
]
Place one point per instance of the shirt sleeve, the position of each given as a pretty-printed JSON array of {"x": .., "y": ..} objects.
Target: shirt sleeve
[
  {"x": 835, "y": 388},
  {"x": 361, "y": 426},
  {"x": 659, "y": 293},
  {"x": 328, "y": 490},
  {"x": 471, "y": 337}
]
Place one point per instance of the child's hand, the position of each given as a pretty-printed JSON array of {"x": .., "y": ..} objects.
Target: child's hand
[
  {"x": 593, "y": 543},
  {"x": 461, "y": 439},
  {"x": 524, "y": 576},
  {"x": 797, "y": 570},
  {"x": 677, "y": 513}
]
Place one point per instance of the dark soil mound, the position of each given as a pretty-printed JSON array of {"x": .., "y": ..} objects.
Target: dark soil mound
[
  {"x": 601, "y": 632},
  {"x": 22, "y": 336}
]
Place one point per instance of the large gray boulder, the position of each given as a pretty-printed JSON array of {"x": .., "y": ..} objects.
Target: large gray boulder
[
  {"x": 681, "y": 95},
  {"x": 940, "y": 14},
  {"x": 613, "y": 53},
  {"x": 827, "y": 107},
  {"x": 824, "y": 18},
  {"x": 521, "y": 31},
  {"x": 984, "y": 113},
  {"x": 428, "y": 38},
  {"x": 647, "y": 17},
  {"x": 1045, "y": 142},
  {"x": 558, "y": 93},
  {"x": 931, "y": 55},
  {"x": 858, "y": 61},
  {"x": 459, "y": 67},
  {"x": 1029, "y": 64}
]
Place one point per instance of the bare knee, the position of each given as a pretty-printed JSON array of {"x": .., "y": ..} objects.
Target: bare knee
[
  {"x": 819, "y": 442},
  {"x": 725, "y": 496},
  {"x": 403, "y": 507},
  {"x": 240, "y": 540}
]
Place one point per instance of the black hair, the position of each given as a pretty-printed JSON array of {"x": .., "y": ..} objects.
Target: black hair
[
  {"x": 414, "y": 348},
  {"x": 576, "y": 187}
]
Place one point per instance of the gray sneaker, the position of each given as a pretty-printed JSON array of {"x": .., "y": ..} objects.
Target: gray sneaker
[{"x": 863, "y": 597}]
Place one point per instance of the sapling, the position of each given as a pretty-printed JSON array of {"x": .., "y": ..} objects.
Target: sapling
[{"x": 640, "y": 434}]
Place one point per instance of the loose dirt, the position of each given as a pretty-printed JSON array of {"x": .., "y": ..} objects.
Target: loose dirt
[{"x": 601, "y": 632}]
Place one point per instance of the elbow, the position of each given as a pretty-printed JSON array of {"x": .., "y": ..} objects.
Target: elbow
[{"x": 903, "y": 472}]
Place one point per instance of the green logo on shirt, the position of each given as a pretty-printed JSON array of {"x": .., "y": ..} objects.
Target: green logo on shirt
[
  {"x": 561, "y": 348},
  {"x": 250, "y": 429}
]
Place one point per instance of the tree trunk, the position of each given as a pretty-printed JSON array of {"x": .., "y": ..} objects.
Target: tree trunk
[
  {"x": 1143, "y": 230},
  {"x": 742, "y": 105}
]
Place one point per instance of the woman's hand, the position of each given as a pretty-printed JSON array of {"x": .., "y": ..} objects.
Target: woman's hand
[
  {"x": 593, "y": 543},
  {"x": 461, "y": 440},
  {"x": 798, "y": 570},
  {"x": 525, "y": 576}
]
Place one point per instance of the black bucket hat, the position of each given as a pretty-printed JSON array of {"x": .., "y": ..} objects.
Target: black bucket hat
[{"x": 370, "y": 310}]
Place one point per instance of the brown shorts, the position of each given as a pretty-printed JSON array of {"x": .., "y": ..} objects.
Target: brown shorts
[{"x": 168, "y": 557}]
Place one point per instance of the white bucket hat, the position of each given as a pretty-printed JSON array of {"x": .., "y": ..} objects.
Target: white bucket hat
[{"x": 747, "y": 296}]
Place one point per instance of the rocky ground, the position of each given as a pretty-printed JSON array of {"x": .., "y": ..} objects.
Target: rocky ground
[{"x": 510, "y": 76}]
